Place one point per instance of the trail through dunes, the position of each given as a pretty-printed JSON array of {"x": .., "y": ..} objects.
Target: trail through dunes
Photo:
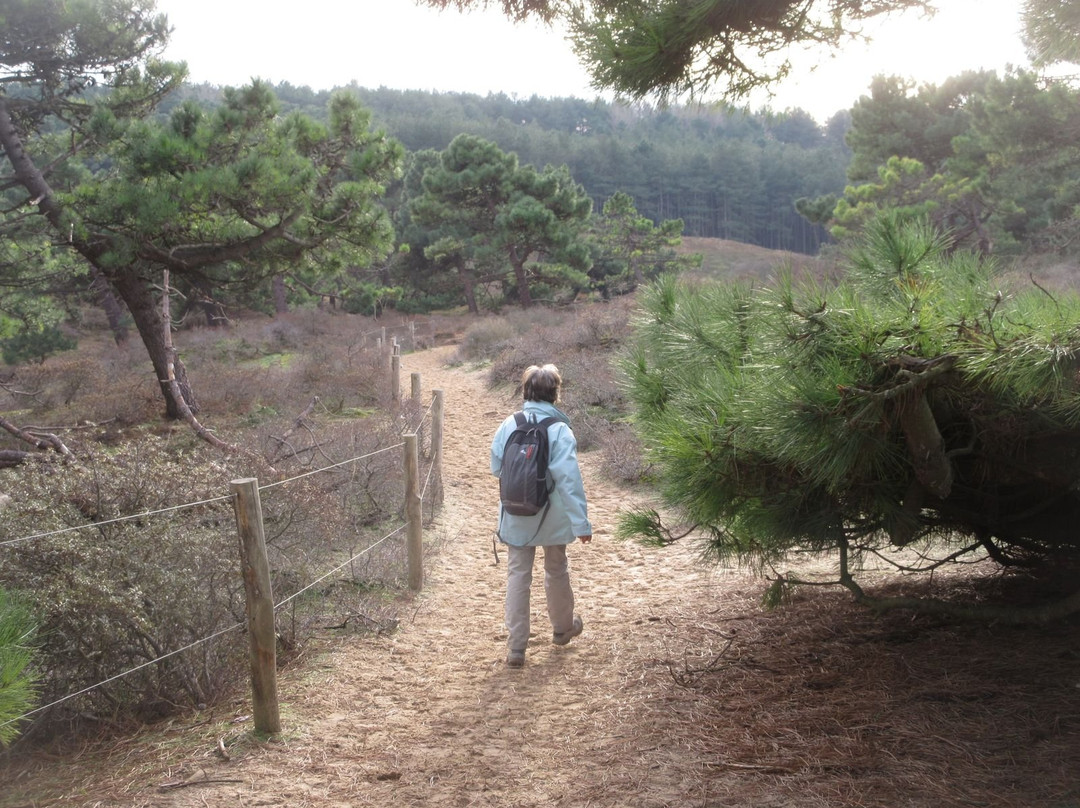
[{"x": 682, "y": 691}]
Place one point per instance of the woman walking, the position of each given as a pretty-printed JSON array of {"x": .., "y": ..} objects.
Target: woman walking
[{"x": 564, "y": 519}]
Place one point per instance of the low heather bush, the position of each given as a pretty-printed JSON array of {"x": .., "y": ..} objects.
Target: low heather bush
[
  {"x": 584, "y": 343},
  {"x": 485, "y": 340},
  {"x": 110, "y": 597}
]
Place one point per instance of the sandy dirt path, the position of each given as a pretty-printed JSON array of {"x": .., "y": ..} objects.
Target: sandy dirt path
[{"x": 430, "y": 715}]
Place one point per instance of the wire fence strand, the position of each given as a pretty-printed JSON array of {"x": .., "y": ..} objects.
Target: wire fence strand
[
  {"x": 322, "y": 578},
  {"x": 427, "y": 480},
  {"x": 70, "y": 696},
  {"x": 330, "y": 467},
  {"x": 209, "y": 501},
  {"x": 127, "y": 518},
  {"x": 425, "y": 415}
]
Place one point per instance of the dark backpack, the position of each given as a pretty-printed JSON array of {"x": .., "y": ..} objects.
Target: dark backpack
[{"x": 523, "y": 483}]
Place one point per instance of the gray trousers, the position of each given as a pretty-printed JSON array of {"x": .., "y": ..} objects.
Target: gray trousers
[{"x": 560, "y": 596}]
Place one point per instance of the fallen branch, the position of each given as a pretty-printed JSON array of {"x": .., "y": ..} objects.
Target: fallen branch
[
  {"x": 76, "y": 428},
  {"x": 12, "y": 391},
  {"x": 13, "y": 457},
  {"x": 196, "y": 782},
  {"x": 42, "y": 441}
]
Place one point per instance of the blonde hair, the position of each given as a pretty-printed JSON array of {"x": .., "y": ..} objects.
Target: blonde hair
[{"x": 541, "y": 383}]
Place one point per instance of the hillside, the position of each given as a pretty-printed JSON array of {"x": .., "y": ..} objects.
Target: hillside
[{"x": 734, "y": 260}]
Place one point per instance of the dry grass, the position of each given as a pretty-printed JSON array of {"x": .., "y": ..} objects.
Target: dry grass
[
  {"x": 733, "y": 260},
  {"x": 298, "y": 393}
]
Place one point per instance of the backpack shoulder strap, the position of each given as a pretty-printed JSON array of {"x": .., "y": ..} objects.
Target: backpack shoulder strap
[{"x": 519, "y": 418}]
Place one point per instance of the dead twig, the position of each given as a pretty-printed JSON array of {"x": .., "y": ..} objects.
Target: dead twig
[
  {"x": 298, "y": 421},
  {"x": 689, "y": 676},
  {"x": 12, "y": 391}
]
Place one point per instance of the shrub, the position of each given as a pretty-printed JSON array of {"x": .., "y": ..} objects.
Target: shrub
[
  {"x": 623, "y": 458},
  {"x": 17, "y": 688},
  {"x": 35, "y": 346},
  {"x": 582, "y": 342},
  {"x": 485, "y": 339},
  {"x": 115, "y": 595}
]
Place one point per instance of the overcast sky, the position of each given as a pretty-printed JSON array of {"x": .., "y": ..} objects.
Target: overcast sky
[{"x": 394, "y": 43}]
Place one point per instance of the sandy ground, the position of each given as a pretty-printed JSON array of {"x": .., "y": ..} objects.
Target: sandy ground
[{"x": 430, "y": 715}]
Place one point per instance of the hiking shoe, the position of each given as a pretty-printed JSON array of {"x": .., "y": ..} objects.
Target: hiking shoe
[
  {"x": 515, "y": 659},
  {"x": 566, "y": 636}
]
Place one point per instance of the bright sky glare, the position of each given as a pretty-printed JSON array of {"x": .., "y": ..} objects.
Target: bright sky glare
[{"x": 396, "y": 44}]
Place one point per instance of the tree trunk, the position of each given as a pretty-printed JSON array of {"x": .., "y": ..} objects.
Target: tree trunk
[
  {"x": 281, "y": 303},
  {"x": 114, "y": 312},
  {"x": 925, "y": 446},
  {"x": 522, "y": 279},
  {"x": 469, "y": 284},
  {"x": 136, "y": 293}
]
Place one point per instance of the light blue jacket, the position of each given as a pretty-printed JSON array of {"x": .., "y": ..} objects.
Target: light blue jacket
[{"x": 568, "y": 517}]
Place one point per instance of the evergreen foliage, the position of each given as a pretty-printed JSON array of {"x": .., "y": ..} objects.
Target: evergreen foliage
[
  {"x": 493, "y": 220},
  {"x": 912, "y": 403},
  {"x": 17, "y": 677},
  {"x": 670, "y": 48},
  {"x": 725, "y": 171},
  {"x": 631, "y": 249},
  {"x": 992, "y": 160},
  {"x": 35, "y": 346},
  {"x": 1051, "y": 29}
]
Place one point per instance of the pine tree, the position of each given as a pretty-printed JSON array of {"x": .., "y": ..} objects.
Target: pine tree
[
  {"x": 16, "y": 653},
  {"x": 916, "y": 403}
]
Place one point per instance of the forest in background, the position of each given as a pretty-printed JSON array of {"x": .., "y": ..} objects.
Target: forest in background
[{"x": 726, "y": 172}]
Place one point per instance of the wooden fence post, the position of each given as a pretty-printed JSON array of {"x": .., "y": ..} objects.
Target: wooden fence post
[
  {"x": 414, "y": 541},
  {"x": 436, "y": 446},
  {"x": 395, "y": 378},
  {"x": 415, "y": 392},
  {"x": 260, "y": 605}
]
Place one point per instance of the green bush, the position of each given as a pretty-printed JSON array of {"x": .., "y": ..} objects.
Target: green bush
[
  {"x": 35, "y": 346},
  {"x": 17, "y": 678},
  {"x": 916, "y": 403}
]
